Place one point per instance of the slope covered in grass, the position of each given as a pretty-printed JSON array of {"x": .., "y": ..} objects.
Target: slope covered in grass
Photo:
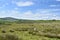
[{"x": 30, "y": 30}]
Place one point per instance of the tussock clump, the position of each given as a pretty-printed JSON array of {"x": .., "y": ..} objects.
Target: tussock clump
[
  {"x": 3, "y": 31},
  {"x": 33, "y": 33},
  {"x": 11, "y": 30},
  {"x": 21, "y": 29}
]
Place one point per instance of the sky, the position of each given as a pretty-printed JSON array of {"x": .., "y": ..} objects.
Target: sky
[{"x": 30, "y": 9}]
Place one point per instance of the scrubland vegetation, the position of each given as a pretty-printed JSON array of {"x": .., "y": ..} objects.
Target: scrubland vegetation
[{"x": 30, "y": 30}]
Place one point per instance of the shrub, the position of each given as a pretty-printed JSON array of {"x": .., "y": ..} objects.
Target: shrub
[
  {"x": 11, "y": 30},
  {"x": 3, "y": 31},
  {"x": 32, "y": 32}
]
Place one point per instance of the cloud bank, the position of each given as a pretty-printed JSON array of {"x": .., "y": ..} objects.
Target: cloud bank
[
  {"x": 40, "y": 14},
  {"x": 27, "y": 3}
]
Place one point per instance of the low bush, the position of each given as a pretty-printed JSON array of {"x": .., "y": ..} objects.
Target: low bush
[
  {"x": 11, "y": 30},
  {"x": 3, "y": 31}
]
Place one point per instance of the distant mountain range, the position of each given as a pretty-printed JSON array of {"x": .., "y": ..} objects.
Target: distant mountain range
[
  {"x": 9, "y": 19},
  {"x": 15, "y": 19},
  {"x": 12, "y": 19}
]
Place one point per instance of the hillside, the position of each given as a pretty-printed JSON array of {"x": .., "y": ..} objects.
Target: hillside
[
  {"x": 20, "y": 29},
  {"x": 8, "y": 19}
]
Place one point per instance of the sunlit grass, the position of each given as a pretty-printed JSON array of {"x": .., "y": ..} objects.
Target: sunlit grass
[{"x": 19, "y": 29}]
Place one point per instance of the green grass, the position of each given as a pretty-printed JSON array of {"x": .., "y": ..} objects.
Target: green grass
[{"x": 43, "y": 30}]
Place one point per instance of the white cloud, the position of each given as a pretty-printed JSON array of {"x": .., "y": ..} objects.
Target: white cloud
[
  {"x": 38, "y": 15},
  {"x": 27, "y": 3},
  {"x": 16, "y": 8},
  {"x": 57, "y": 0},
  {"x": 9, "y": 13},
  {"x": 53, "y": 5}
]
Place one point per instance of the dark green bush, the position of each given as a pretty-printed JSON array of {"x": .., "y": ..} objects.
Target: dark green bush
[
  {"x": 3, "y": 31},
  {"x": 11, "y": 31}
]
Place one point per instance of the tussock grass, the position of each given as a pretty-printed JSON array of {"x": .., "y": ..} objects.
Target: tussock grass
[{"x": 39, "y": 30}]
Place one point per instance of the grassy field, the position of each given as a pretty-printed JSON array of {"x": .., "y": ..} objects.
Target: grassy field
[{"x": 30, "y": 30}]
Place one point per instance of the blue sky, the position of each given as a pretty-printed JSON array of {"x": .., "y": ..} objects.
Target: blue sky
[{"x": 30, "y": 9}]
